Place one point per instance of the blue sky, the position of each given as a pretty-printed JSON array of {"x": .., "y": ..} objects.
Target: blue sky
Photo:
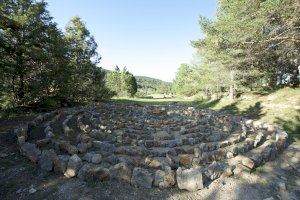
[{"x": 149, "y": 37}]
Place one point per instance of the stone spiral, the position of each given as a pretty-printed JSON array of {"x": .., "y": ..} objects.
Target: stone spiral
[{"x": 148, "y": 145}]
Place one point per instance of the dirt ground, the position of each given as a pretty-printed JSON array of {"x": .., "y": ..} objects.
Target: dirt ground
[{"x": 21, "y": 179}]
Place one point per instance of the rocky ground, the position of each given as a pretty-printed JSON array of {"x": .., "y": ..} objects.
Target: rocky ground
[{"x": 216, "y": 146}]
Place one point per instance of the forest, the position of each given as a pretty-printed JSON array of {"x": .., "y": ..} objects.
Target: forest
[{"x": 251, "y": 46}]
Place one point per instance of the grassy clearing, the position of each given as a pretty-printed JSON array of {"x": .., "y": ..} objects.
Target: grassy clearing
[{"x": 281, "y": 107}]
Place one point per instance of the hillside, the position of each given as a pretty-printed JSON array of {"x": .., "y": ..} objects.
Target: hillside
[{"x": 148, "y": 85}]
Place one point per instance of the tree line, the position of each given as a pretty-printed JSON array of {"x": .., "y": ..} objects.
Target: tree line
[
  {"x": 250, "y": 45},
  {"x": 122, "y": 83},
  {"x": 39, "y": 64}
]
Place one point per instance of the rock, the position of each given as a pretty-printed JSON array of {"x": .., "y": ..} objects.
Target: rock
[
  {"x": 240, "y": 168},
  {"x": 82, "y": 147},
  {"x": 269, "y": 198},
  {"x": 30, "y": 151},
  {"x": 21, "y": 140},
  {"x": 156, "y": 162},
  {"x": 47, "y": 159},
  {"x": 189, "y": 179},
  {"x": 121, "y": 171},
  {"x": 141, "y": 178},
  {"x": 61, "y": 163},
  {"x": 73, "y": 167},
  {"x": 197, "y": 152},
  {"x": 92, "y": 157},
  {"x": 95, "y": 133},
  {"x": 42, "y": 142},
  {"x": 162, "y": 135},
  {"x": 104, "y": 146},
  {"x": 32, "y": 190},
  {"x": 85, "y": 138},
  {"x": 164, "y": 179},
  {"x": 91, "y": 172},
  {"x": 215, "y": 170},
  {"x": 214, "y": 137},
  {"x": 228, "y": 171},
  {"x": 248, "y": 162},
  {"x": 66, "y": 146},
  {"x": 281, "y": 185},
  {"x": 185, "y": 160}
]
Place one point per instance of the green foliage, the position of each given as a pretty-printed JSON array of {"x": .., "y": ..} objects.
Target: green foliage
[
  {"x": 38, "y": 64},
  {"x": 123, "y": 84},
  {"x": 184, "y": 83},
  {"x": 250, "y": 45},
  {"x": 148, "y": 86}
]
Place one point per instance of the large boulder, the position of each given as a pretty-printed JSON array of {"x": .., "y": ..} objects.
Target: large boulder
[
  {"x": 164, "y": 179},
  {"x": 121, "y": 171},
  {"x": 141, "y": 178},
  {"x": 73, "y": 167},
  {"x": 189, "y": 179},
  {"x": 47, "y": 159},
  {"x": 30, "y": 151}
]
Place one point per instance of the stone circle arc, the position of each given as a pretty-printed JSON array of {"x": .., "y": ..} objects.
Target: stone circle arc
[{"x": 148, "y": 146}]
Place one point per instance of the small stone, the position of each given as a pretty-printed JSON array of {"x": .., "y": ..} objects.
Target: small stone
[
  {"x": 42, "y": 142},
  {"x": 121, "y": 171},
  {"x": 61, "y": 163},
  {"x": 91, "y": 172},
  {"x": 185, "y": 160},
  {"x": 189, "y": 179},
  {"x": 240, "y": 168},
  {"x": 32, "y": 190},
  {"x": 21, "y": 140},
  {"x": 141, "y": 178},
  {"x": 248, "y": 162},
  {"x": 215, "y": 170},
  {"x": 104, "y": 146},
  {"x": 47, "y": 159},
  {"x": 92, "y": 157},
  {"x": 82, "y": 147},
  {"x": 270, "y": 198},
  {"x": 281, "y": 185},
  {"x": 30, "y": 151},
  {"x": 164, "y": 179},
  {"x": 73, "y": 167},
  {"x": 162, "y": 135}
]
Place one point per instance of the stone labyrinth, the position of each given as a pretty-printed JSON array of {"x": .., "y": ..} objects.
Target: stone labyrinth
[{"x": 148, "y": 146}]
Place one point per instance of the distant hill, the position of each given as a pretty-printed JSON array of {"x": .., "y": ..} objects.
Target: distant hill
[{"x": 148, "y": 85}]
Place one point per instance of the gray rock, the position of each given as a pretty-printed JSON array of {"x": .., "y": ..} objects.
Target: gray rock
[
  {"x": 73, "y": 167},
  {"x": 92, "y": 157},
  {"x": 82, "y": 147},
  {"x": 141, "y": 178},
  {"x": 47, "y": 159},
  {"x": 91, "y": 172},
  {"x": 30, "y": 151},
  {"x": 121, "y": 171},
  {"x": 164, "y": 179},
  {"x": 215, "y": 170},
  {"x": 189, "y": 179},
  {"x": 61, "y": 163},
  {"x": 104, "y": 146}
]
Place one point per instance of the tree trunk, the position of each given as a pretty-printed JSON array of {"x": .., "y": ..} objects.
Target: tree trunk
[{"x": 232, "y": 87}]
